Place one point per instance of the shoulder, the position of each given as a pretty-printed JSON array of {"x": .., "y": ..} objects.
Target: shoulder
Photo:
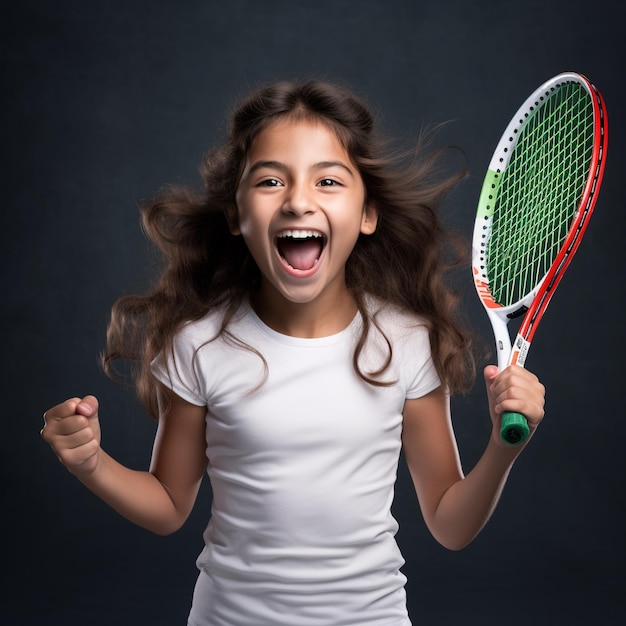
[
  {"x": 400, "y": 334},
  {"x": 208, "y": 328},
  {"x": 404, "y": 336},
  {"x": 395, "y": 322},
  {"x": 188, "y": 365}
]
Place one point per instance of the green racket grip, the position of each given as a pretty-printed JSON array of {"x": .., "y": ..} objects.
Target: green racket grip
[{"x": 514, "y": 429}]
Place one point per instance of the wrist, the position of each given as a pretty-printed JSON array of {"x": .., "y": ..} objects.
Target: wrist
[
  {"x": 502, "y": 449},
  {"x": 90, "y": 469}
]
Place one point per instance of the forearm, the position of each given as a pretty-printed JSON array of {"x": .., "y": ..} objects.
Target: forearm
[
  {"x": 456, "y": 507},
  {"x": 467, "y": 504},
  {"x": 136, "y": 495}
]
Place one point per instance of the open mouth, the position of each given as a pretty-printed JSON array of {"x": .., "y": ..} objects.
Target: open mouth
[{"x": 300, "y": 249}]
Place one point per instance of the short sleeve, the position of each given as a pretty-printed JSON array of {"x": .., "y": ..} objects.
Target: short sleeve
[
  {"x": 178, "y": 370},
  {"x": 418, "y": 371},
  {"x": 407, "y": 334},
  {"x": 424, "y": 381}
]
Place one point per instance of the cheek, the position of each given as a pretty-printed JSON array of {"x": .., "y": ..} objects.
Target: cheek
[
  {"x": 244, "y": 217},
  {"x": 250, "y": 227},
  {"x": 349, "y": 224},
  {"x": 254, "y": 231}
]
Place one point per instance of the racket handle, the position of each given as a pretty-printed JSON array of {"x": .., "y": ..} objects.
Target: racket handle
[{"x": 514, "y": 428}]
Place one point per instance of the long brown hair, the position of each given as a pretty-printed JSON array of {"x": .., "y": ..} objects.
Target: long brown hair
[{"x": 206, "y": 267}]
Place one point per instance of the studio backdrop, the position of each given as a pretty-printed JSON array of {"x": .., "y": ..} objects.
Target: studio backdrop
[{"x": 105, "y": 102}]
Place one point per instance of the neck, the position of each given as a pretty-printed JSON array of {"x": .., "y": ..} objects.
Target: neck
[{"x": 324, "y": 317}]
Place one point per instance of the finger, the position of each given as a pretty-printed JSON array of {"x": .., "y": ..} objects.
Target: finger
[
  {"x": 524, "y": 395},
  {"x": 78, "y": 439},
  {"x": 78, "y": 456},
  {"x": 58, "y": 431},
  {"x": 513, "y": 380},
  {"x": 61, "y": 411},
  {"x": 70, "y": 425},
  {"x": 88, "y": 406}
]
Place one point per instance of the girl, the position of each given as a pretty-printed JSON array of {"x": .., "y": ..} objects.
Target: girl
[{"x": 300, "y": 335}]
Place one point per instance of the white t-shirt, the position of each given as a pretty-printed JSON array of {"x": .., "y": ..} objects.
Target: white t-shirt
[{"x": 302, "y": 466}]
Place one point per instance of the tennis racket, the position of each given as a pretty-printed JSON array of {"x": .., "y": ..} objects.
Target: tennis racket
[{"x": 538, "y": 195}]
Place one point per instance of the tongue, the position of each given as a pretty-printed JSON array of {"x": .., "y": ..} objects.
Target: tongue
[{"x": 301, "y": 255}]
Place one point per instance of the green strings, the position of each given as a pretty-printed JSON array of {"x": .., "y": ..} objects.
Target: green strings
[{"x": 539, "y": 192}]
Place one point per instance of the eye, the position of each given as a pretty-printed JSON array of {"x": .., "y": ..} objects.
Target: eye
[
  {"x": 328, "y": 182},
  {"x": 269, "y": 182}
]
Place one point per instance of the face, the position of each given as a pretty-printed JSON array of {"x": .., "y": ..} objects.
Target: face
[{"x": 301, "y": 206}]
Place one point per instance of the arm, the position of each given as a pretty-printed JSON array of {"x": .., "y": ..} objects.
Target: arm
[
  {"x": 456, "y": 507},
  {"x": 159, "y": 500}
]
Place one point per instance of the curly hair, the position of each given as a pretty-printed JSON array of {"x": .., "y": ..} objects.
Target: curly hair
[{"x": 206, "y": 267}]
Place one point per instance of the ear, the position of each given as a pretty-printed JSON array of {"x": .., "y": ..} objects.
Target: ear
[
  {"x": 369, "y": 219},
  {"x": 232, "y": 217}
]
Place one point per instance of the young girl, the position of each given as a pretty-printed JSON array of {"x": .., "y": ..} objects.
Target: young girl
[{"x": 301, "y": 334}]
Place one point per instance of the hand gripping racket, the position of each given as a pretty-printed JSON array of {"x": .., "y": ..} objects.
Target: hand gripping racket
[{"x": 534, "y": 206}]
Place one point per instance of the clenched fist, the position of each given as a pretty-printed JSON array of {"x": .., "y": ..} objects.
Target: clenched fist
[{"x": 73, "y": 431}]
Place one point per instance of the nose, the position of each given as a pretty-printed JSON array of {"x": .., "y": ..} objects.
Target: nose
[{"x": 299, "y": 200}]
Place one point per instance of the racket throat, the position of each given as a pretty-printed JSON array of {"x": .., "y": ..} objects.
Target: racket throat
[
  {"x": 518, "y": 313},
  {"x": 502, "y": 339}
]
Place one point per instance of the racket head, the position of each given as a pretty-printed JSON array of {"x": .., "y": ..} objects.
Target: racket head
[{"x": 537, "y": 197}]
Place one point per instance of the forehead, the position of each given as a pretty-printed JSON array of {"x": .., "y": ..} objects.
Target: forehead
[{"x": 297, "y": 136}]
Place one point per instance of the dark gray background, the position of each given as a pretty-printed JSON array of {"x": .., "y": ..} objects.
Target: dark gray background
[{"x": 105, "y": 101}]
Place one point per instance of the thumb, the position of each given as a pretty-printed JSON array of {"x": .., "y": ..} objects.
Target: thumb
[
  {"x": 88, "y": 406},
  {"x": 490, "y": 372}
]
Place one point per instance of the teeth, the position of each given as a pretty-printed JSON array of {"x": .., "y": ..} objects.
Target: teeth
[{"x": 300, "y": 234}]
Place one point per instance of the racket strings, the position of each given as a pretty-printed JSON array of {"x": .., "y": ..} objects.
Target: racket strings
[{"x": 539, "y": 192}]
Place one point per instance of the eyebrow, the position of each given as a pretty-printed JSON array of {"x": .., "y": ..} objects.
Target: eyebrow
[{"x": 282, "y": 167}]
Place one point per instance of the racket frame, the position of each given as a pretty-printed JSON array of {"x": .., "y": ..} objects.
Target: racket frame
[{"x": 533, "y": 305}]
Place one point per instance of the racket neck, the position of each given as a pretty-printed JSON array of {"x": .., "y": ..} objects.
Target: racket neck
[{"x": 502, "y": 338}]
